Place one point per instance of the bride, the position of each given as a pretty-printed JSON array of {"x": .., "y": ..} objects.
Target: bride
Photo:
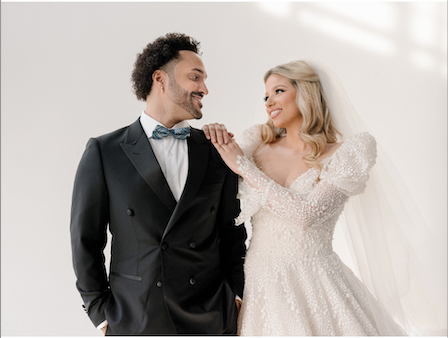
[{"x": 296, "y": 181}]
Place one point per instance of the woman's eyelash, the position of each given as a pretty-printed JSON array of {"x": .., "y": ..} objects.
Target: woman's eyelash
[{"x": 267, "y": 97}]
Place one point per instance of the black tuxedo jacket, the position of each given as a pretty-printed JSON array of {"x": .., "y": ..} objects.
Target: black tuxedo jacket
[{"x": 175, "y": 266}]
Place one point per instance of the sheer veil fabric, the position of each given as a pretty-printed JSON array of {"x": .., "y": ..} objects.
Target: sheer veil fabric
[{"x": 391, "y": 247}]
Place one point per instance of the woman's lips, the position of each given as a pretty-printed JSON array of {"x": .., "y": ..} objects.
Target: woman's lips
[{"x": 275, "y": 113}]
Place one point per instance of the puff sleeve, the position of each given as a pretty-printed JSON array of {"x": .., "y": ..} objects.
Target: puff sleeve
[{"x": 350, "y": 166}]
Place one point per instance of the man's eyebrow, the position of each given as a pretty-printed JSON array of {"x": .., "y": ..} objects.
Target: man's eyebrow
[{"x": 200, "y": 71}]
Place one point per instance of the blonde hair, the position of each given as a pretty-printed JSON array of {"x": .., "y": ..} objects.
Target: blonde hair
[{"x": 317, "y": 128}]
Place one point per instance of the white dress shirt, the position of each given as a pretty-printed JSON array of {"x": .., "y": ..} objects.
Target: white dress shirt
[{"x": 171, "y": 153}]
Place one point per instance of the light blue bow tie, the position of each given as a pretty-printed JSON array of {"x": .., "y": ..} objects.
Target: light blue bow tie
[{"x": 160, "y": 132}]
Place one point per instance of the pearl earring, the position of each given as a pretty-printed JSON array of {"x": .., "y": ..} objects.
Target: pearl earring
[{"x": 161, "y": 89}]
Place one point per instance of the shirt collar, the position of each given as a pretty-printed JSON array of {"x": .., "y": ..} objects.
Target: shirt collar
[{"x": 149, "y": 124}]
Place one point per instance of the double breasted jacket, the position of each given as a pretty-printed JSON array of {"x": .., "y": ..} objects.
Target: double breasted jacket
[{"x": 175, "y": 266}]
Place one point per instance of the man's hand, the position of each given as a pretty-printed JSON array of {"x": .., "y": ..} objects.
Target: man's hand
[{"x": 238, "y": 304}]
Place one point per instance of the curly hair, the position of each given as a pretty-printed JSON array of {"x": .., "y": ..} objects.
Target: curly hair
[
  {"x": 317, "y": 128},
  {"x": 156, "y": 55}
]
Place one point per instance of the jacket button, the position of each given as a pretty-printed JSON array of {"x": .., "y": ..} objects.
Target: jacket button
[
  {"x": 192, "y": 245},
  {"x": 212, "y": 210},
  {"x": 164, "y": 246},
  {"x": 192, "y": 281},
  {"x": 130, "y": 212},
  {"x": 159, "y": 284}
]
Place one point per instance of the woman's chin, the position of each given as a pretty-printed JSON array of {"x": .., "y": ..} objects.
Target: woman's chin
[{"x": 277, "y": 124}]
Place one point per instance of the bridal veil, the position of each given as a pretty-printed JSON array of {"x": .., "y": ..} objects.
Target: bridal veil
[{"x": 392, "y": 249}]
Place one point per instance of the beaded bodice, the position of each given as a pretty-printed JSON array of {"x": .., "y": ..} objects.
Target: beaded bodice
[{"x": 299, "y": 220}]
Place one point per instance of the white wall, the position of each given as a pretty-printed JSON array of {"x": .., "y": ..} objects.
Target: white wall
[{"x": 65, "y": 76}]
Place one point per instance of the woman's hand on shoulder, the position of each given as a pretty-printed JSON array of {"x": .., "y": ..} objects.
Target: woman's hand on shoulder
[
  {"x": 229, "y": 153},
  {"x": 224, "y": 143},
  {"x": 217, "y": 133}
]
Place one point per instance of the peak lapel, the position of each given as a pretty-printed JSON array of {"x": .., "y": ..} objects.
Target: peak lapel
[
  {"x": 139, "y": 151},
  {"x": 198, "y": 152}
]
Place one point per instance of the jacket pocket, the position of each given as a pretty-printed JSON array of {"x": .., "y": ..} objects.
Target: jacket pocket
[{"x": 131, "y": 277}]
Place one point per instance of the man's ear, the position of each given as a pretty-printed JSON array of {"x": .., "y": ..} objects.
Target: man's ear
[{"x": 159, "y": 79}]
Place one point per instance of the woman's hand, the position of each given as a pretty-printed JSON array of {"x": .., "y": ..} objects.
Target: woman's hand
[
  {"x": 229, "y": 153},
  {"x": 224, "y": 143},
  {"x": 217, "y": 133}
]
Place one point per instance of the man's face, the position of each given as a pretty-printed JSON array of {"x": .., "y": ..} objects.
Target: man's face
[{"x": 187, "y": 86}]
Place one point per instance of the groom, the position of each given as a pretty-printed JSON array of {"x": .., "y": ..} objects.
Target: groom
[{"x": 170, "y": 204}]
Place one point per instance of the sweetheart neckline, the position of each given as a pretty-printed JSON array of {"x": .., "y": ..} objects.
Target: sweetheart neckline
[{"x": 299, "y": 176}]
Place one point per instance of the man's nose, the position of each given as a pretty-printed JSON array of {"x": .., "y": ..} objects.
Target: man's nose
[{"x": 204, "y": 89}]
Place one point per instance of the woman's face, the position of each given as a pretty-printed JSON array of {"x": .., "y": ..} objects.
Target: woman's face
[{"x": 281, "y": 102}]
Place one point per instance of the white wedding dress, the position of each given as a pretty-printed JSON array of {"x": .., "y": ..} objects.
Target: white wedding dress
[{"x": 295, "y": 284}]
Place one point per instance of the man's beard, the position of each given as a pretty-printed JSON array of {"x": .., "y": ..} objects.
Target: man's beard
[{"x": 184, "y": 99}]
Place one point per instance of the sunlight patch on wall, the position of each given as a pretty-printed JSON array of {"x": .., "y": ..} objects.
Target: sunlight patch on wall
[
  {"x": 276, "y": 8},
  {"x": 422, "y": 26},
  {"x": 347, "y": 32},
  {"x": 411, "y": 31},
  {"x": 378, "y": 15},
  {"x": 423, "y": 23}
]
